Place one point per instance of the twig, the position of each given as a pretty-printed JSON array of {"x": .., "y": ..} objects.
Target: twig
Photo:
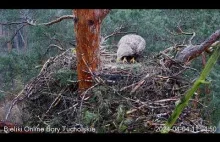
[
  {"x": 54, "y": 45},
  {"x": 190, "y": 40},
  {"x": 139, "y": 84},
  {"x": 6, "y": 92},
  {"x": 56, "y": 100},
  {"x": 33, "y": 22},
  {"x": 90, "y": 71},
  {"x": 14, "y": 101},
  {"x": 13, "y": 23},
  {"x": 42, "y": 120},
  {"x": 165, "y": 100},
  {"x": 198, "y": 102},
  {"x": 84, "y": 93},
  {"x": 16, "y": 32},
  {"x": 117, "y": 31},
  {"x": 51, "y": 22},
  {"x": 68, "y": 109}
]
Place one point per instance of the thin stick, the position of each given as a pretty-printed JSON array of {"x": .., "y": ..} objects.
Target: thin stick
[{"x": 68, "y": 109}]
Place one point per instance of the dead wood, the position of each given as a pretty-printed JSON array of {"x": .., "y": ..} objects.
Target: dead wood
[{"x": 192, "y": 51}]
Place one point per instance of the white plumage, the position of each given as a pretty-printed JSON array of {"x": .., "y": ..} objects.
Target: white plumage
[{"x": 130, "y": 45}]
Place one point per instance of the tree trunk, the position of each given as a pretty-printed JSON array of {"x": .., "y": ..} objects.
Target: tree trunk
[{"x": 87, "y": 28}]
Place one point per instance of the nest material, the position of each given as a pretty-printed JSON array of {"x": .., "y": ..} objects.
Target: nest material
[{"x": 125, "y": 98}]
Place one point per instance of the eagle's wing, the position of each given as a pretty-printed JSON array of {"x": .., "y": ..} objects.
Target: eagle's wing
[
  {"x": 124, "y": 50},
  {"x": 141, "y": 46},
  {"x": 130, "y": 45},
  {"x": 137, "y": 43}
]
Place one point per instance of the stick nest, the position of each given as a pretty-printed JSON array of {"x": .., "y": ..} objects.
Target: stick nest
[{"x": 127, "y": 98}]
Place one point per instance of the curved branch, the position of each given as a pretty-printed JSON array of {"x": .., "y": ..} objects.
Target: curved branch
[
  {"x": 193, "y": 51},
  {"x": 54, "y": 45},
  {"x": 51, "y": 22},
  {"x": 190, "y": 40},
  {"x": 33, "y": 22}
]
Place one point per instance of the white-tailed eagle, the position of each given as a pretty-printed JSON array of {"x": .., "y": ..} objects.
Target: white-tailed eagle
[{"x": 130, "y": 47}]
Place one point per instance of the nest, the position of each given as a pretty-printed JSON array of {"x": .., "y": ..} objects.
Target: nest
[{"x": 125, "y": 98}]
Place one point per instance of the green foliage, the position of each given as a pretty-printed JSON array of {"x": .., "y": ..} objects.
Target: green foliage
[
  {"x": 185, "y": 99},
  {"x": 18, "y": 66},
  {"x": 65, "y": 76},
  {"x": 213, "y": 110},
  {"x": 20, "y": 63},
  {"x": 89, "y": 117},
  {"x": 152, "y": 24},
  {"x": 120, "y": 118},
  {"x": 1, "y": 95},
  {"x": 120, "y": 113}
]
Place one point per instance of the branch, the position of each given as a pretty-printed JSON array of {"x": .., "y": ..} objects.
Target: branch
[
  {"x": 193, "y": 51},
  {"x": 190, "y": 40},
  {"x": 181, "y": 32},
  {"x": 117, "y": 31},
  {"x": 33, "y": 22},
  {"x": 54, "y": 45},
  {"x": 16, "y": 32},
  {"x": 184, "y": 101},
  {"x": 43, "y": 79},
  {"x": 13, "y": 23},
  {"x": 57, "y": 20}
]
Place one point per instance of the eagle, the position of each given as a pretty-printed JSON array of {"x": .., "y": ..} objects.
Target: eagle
[{"x": 130, "y": 47}]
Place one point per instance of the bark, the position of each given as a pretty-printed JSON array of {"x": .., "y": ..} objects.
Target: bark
[
  {"x": 87, "y": 28},
  {"x": 194, "y": 51}
]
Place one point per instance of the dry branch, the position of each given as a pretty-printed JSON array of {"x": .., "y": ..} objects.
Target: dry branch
[
  {"x": 16, "y": 33},
  {"x": 117, "y": 31},
  {"x": 154, "y": 96},
  {"x": 54, "y": 45},
  {"x": 51, "y": 22},
  {"x": 193, "y": 51},
  {"x": 33, "y": 22},
  {"x": 31, "y": 91},
  {"x": 13, "y": 23}
]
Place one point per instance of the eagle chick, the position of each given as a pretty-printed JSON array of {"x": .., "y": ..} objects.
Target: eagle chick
[{"x": 130, "y": 46}]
